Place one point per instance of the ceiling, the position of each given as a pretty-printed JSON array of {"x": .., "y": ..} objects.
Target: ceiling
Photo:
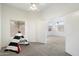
[
  {"x": 60, "y": 9},
  {"x": 50, "y": 10},
  {"x": 44, "y": 6},
  {"x": 26, "y": 6}
]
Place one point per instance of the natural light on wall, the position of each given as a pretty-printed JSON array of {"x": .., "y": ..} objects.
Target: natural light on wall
[{"x": 57, "y": 24}]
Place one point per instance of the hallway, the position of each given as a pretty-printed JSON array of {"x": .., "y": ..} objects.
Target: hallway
[{"x": 54, "y": 47}]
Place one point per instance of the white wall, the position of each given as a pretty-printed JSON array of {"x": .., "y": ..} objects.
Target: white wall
[
  {"x": 9, "y": 13},
  {"x": 37, "y": 27},
  {"x": 0, "y": 26},
  {"x": 72, "y": 33}
]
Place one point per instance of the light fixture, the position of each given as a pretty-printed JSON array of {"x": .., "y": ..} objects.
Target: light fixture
[{"x": 33, "y": 6}]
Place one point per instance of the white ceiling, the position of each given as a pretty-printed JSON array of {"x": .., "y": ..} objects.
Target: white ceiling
[
  {"x": 60, "y": 9},
  {"x": 26, "y": 6},
  {"x": 49, "y": 9},
  {"x": 44, "y": 6}
]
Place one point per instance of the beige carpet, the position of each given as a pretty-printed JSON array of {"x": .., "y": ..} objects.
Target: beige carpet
[{"x": 54, "y": 47}]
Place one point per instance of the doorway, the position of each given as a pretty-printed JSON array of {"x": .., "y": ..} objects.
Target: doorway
[
  {"x": 16, "y": 26},
  {"x": 56, "y": 37},
  {"x": 56, "y": 27}
]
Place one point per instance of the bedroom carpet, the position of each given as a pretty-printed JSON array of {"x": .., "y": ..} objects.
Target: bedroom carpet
[{"x": 54, "y": 47}]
